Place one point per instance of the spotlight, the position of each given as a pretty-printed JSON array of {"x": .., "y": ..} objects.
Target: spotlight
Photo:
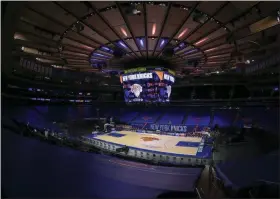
[
  {"x": 133, "y": 10},
  {"x": 247, "y": 62}
]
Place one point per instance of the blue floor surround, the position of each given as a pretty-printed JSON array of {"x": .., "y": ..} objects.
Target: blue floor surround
[
  {"x": 31, "y": 168},
  {"x": 187, "y": 144},
  {"x": 117, "y": 135}
]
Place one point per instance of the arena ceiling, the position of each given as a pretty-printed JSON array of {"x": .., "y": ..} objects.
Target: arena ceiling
[{"x": 204, "y": 36}]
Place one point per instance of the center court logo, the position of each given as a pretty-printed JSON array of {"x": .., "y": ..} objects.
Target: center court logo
[{"x": 149, "y": 139}]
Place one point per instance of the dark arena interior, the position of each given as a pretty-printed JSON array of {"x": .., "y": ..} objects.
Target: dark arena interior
[{"x": 140, "y": 99}]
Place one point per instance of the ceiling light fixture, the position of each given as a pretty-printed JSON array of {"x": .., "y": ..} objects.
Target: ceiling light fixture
[
  {"x": 182, "y": 33},
  {"x": 124, "y": 32},
  {"x": 215, "y": 62},
  {"x": 191, "y": 51},
  {"x": 213, "y": 57},
  {"x": 199, "y": 42},
  {"x": 97, "y": 60},
  {"x": 182, "y": 45},
  {"x": 154, "y": 29},
  {"x": 211, "y": 49},
  {"x": 161, "y": 44},
  {"x": 141, "y": 42},
  {"x": 101, "y": 55},
  {"x": 122, "y": 44},
  {"x": 105, "y": 48}
]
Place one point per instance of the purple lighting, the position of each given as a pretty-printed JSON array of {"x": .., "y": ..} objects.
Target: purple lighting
[
  {"x": 191, "y": 51},
  {"x": 101, "y": 55},
  {"x": 161, "y": 43},
  {"x": 141, "y": 42},
  {"x": 105, "y": 48},
  {"x": 182, "y": 45},
  {"x": 122, "y": 44},
  {"x": 96, "y": 60}
]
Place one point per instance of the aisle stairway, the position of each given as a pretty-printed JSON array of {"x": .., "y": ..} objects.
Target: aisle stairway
[
  {"x": 185, "y": 118},
  {"x": 208, "y": 185},
  {"x": 159, "y": 117}
]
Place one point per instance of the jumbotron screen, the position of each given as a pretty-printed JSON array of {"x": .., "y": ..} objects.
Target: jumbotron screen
[{"x": 147, "y": 85}]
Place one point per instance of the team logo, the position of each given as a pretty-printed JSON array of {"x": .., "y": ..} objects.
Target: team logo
[
  {"x": 168, "y": 88},
  {"x": 136, "y": 89},
  {"x": 149, "y": 139}
]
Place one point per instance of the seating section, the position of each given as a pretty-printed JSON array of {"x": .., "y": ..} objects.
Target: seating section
[
  {"x": 265, "y": 118},
  {"x": 197, "y": 117},
  {"x": 39, "y": 115},
  {"x": 146, "y": 117},
  {"x": 175, "y": 118},
  {"x": 224, "y": 117},
  {"x": 246, "y": 174},
  {"x": 198, "y": 120},
  {"x": 128, "y": 116}
]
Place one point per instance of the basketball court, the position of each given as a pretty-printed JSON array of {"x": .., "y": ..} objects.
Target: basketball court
[{"x": 153, "y": 142}]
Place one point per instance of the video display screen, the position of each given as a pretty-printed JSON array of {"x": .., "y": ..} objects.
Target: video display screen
[{"x": 147, "y": 86}]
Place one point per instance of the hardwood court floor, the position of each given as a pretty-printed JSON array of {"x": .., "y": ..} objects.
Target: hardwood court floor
[{"x": 153, "y": 142}]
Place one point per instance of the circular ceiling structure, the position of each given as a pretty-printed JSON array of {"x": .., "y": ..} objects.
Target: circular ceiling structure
[{"x": 194, "y": 37}]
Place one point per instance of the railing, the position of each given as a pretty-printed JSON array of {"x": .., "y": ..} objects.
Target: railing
[
  {"x": 268, "y": 182},
  {"x": 200, "y": 193},
  {"x": 259, "y": 191}
]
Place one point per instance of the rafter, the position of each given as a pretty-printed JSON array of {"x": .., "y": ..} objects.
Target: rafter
[
  {"x": 222, "y": 25},
  {"x": 85, "y": 23},
  {"x": 237, "y": 39},
  {"x": 179, "y": 27},
  {"x": 163, "y": 25},
  {"x": 201, "y": 25},
  {"x": 128, "y": 26},
  {"x": 109, "y": 25},
  {"x": 146, "y": 28},
  {"x": 63, "y": 25}
]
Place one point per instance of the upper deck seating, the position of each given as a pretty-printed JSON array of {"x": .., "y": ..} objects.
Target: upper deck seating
[
  {"x": 146, "y": 117},
  {"x": 224, "y": 117},
  {"x": 173, "y": 117}
]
